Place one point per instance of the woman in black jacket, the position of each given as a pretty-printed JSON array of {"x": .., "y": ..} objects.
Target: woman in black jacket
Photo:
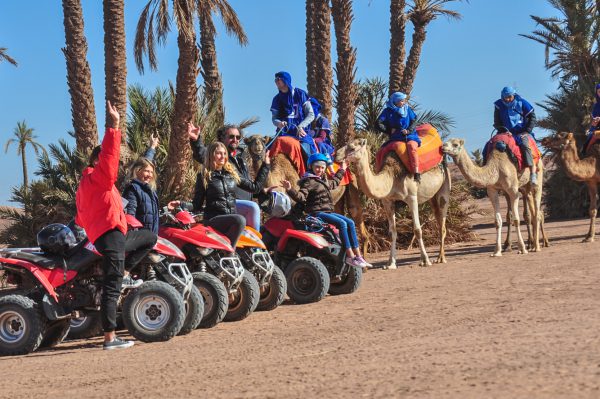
[{"x": 215, "y": 191}]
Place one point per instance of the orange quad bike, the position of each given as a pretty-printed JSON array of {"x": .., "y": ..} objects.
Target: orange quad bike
[{"x": 255, "y": 257}]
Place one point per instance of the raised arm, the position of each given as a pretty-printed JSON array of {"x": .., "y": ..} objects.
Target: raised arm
[{"x": 106, "y": 169}]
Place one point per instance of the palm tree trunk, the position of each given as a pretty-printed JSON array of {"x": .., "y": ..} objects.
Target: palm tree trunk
[
  {"x": 397, "y": 44},
  {"x": 323, "y": 76},
  {"x": 178, "y": 157},
  {"x": 213, "y": 86},
  {"x": 25, "y": 176},
  {"x": 414, "y": 57},
  {"x": 311, "y": 67},
  {"x": 345, "y": 70},
  {"x": 79, "y": 78},
  {"x": 115, "y": 66}
]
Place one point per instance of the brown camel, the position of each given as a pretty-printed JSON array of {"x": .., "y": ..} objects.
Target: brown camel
[
  {"x": 283, "y": 169},
  {"x": 395, "y": 183},
  {"x": 586, "y": 170},
  {"x": 500, "y": 174}
]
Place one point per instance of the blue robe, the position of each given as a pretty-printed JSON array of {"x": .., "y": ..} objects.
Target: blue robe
[
  {"x": 392, "y": 119},
  {"x": 514, "y": 116}
]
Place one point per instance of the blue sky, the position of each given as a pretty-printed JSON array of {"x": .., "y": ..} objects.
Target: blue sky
[{"x": 464, "y": 63}]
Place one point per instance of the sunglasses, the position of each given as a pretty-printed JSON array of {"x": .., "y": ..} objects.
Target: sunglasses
[{"x": 234, "y": 137}]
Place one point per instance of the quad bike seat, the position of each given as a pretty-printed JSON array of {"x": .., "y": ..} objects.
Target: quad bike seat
[{"x": 75, "y": 259}]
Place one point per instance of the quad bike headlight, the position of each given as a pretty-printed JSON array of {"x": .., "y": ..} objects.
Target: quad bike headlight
[{"x": 204, "y": 251}]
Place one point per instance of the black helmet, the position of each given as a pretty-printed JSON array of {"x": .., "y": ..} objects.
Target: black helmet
[{"x": 56, "y": 239}]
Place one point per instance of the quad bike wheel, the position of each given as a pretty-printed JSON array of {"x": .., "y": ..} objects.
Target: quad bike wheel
[
  {"x": 273, "y": 294},
  {"x": 22, "y": 325},
  {"x": 245, "y": 300},
  {"x": 194, "y": 307},
  {"x": 216, "y": 300},
  {"x": 307, "y": 280}
]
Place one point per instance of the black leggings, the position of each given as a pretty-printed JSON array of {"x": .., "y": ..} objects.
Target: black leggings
[
  {"x": 113, "y": 245},
  {"x": 231, "y": 226}
]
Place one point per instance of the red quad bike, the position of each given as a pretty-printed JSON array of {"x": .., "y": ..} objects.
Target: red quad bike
[
  {"x": 256, "y": 259},
  {"x": 165, "y": 263},
  {"x": 230, "y": 293},
  {"x": 47, "y": 290},
  {"x": 311, "y": 256}
]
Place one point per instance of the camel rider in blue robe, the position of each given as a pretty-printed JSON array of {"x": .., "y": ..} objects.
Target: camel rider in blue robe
[
  {"x": 292, "y": 111},
  {"x": 595, "y": 119},
  {"x": 514, "y": 114}
]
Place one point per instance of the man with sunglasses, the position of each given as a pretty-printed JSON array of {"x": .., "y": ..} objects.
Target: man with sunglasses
[{"x": 230, "y": 135}]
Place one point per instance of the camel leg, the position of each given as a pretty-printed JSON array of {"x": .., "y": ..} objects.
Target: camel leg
[
  {"x": 390, "y": 212},
  {"x": 413, "y": 205},
  {"x": 507, "y": 245},
  {"x": 593, "y": 191},
  {"x": 535, "y": 207},
  {"x": 542, "y": 221},
  {"x": 514, "y": 199},
  {"x": 352, "y": 199},
  {"x": 529, "y": 218},
  {"x": 440, "y": 210},
  {"x": 495, "y": 198}
]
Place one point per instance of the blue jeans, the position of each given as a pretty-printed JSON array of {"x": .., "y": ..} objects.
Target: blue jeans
[
  {"x": 344, "y": 224},
  {"x": 249, "y": 210}
]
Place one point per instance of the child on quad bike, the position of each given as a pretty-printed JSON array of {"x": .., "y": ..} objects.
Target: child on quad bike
[{"x": 314, "y": 193}]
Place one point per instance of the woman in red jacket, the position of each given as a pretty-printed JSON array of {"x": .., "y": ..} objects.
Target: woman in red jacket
[{"x": 100, "y": 213}]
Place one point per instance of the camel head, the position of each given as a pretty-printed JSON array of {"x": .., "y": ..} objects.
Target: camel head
[
  {"x": 453, "y": 147},
  {"x": 558, "y": 141},
  {"x": 353, "y": 151},
  {"x": 256, "y": 145}
]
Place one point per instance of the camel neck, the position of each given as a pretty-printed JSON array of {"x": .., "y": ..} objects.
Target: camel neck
[
  {"x": 577, "y": 168},
  {"x": 378, "y": 186},
  {"x": 479, "y": 176}
]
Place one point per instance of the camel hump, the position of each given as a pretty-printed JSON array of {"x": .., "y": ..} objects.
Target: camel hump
[
  {"x": 291, "y": 148},
  {"x": 430, "y": 151}
]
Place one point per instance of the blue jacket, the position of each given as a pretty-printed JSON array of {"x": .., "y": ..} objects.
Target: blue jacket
[
  {"x": 517, "y": 116},
  {"x": 143, "y": 204},
  {"x": 390, "y": 119},
  {"x": 143, "y": 201}
]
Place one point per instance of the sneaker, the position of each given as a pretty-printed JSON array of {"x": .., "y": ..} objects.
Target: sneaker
[
  {"x": 352, "y": 262},
  {"x": 534, "y": 179},
  {"x": 417, "y": 177},
  {"x": 363, "y": 262},
  {"x": 130, "y": 283},
  {"x": 117, "y": 343}
]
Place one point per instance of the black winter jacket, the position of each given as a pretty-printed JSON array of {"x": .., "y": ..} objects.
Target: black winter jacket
[
  {"x": 219, "y": 195},
  {"x": 199, "y": 152}
]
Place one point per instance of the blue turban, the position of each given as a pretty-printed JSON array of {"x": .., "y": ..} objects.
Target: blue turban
[
  {"x": 507, "y": 92},
  {"x": 394, "y": 98}
]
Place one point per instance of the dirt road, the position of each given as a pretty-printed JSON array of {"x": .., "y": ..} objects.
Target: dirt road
[{"x": 516, "y": 326}]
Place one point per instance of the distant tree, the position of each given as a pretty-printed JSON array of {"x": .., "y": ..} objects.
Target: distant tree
[
  {"x": 5, "y": 57},
  {"x": 23, "y": 137}
]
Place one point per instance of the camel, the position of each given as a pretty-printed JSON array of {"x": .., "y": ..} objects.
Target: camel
[
  {"x": 585, "y": 170},
  {"x": 500, "y": 174},
  {"x": 283, "y": 169},
  {"x": 394, "y": 183}
]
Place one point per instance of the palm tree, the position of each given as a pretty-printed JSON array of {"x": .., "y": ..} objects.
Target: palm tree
[
  {"x": 398, "y": 19},
  {"x": 318, "y": 53},
  {"x": 23, "y": 136},
  {"x": 213, "y": 86},
  {"x": 115, "y": 57},
  {"x": 341, "y": 11},
  {"x": 79, "y": 78},
  {"x": 311, "y": 68},
  {"x": 421, "y": 13},
  {"x": 5, "y": 57},
  {"x": 152, "y": 28}
]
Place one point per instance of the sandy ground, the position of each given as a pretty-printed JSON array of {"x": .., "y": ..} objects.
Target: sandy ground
[{"x": 515, "y": 326}]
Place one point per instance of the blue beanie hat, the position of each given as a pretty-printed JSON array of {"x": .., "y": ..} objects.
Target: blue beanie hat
[{"x": 507, "y": 92}]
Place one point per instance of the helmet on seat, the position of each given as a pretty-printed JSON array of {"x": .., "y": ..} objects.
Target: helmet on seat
[
  {"x": 277, "y": 205},
  {"x": 319, "y": 158},
  {"x": 56, "y": 239}
]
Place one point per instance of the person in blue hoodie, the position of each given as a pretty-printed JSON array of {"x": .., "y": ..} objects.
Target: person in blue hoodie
[
  {"x": 398, "y": 120},
  {"x": 595, "y": 119},
  {"x": 291, "y": 110},
  {"x": 516, "y": 115}
]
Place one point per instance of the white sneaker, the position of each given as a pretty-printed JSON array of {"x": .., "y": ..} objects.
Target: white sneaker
[{"x": 363, "y": 262}]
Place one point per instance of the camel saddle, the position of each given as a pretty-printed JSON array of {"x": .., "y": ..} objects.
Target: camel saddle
[
  {"x": 430, "y": 151},
  {"x": 291, "y": 148},
  {"x": 509, "y": 141}
]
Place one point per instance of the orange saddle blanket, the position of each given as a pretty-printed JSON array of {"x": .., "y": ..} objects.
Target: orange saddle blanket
[{"x": 430, "y": 151}]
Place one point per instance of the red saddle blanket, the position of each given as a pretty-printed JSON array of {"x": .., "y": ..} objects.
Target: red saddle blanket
[
  {"x": 430, "y": 151},
  {"x": 512, "y": 145},
  {"x": 347, "y": 176},
  {"x": 290, "y": 147}
]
